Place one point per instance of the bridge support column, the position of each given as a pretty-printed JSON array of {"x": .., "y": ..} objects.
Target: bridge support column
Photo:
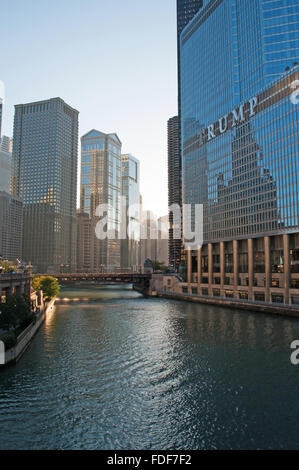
[
  {"x": 210, "y": 262},
  {"x": 222, "y": 268},
  {"x": 199, "y": 270},
  {"x": 250, "y": 269},
  {"x": 189, "y": 263},
  {"x": 287, "y": 268}
]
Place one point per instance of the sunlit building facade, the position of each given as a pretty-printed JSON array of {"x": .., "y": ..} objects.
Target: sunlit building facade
[
  {"x": 101, "y": 184},
  {"x": 44, "y": 177},
  {"x": 240, "y": 147}
]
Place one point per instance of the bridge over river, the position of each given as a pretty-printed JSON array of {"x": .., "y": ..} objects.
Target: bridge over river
[{"x": 141, "y": 282}]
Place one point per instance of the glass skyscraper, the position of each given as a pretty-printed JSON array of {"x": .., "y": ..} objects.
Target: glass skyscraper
[
  {"x": 130, "y": 192},
  {"x": 186, "y": 10},
  {"x": 100, "y": 184},
  {"x": 240, "y": 146},
  {"x": 44, "y": 177}
]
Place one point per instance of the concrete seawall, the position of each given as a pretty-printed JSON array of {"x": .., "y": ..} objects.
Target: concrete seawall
[
  {"x": 284, "y": 310},
  {"x": 24, "y": 339}
]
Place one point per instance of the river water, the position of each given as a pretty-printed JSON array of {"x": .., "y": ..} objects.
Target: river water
[{"x": 111, "y": 369}]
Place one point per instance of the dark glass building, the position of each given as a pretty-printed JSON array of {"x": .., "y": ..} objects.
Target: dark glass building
[
  {"x": 44, "y": 177},
  {"x": 240, "y": 146},
  {"x": 175, "y": 246}
]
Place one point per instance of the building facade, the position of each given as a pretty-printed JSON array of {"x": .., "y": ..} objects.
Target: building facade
[
  {"x": 88, "y": 247},
  {"x": 44, "y": 177},
  {"x": 175, "y": 246},
  {"x": 186, "y": 10},
  {"x": 154, "y": 238},
  {"x": 149, "y": 237},
  {"x": 5, "y": 163},
  {"x": 240, "y": 148},
  {"x": 11, "y": 227},
  {"x": 130, "y": 212},
  {"x": 100, "y": 185},
  {"x": 163, "y": 240},
  {"x": 6, "y": 144},
  {"x": 1, "y": 111}
]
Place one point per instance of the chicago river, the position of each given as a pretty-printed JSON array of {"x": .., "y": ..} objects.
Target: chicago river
[{"x": 111, "y": 369}]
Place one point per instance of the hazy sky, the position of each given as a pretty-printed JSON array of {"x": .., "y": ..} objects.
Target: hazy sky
[{"x": 113, "y": 60}]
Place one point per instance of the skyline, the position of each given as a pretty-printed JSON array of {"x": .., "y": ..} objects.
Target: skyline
[
  {"x": 124, "y": 328},
  {"x": 141, "y": 100}
]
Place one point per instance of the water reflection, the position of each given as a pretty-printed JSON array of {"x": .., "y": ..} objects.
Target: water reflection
[{"x": 121, "y": 371}]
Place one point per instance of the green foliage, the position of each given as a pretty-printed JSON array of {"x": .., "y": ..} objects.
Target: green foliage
[
  {"x": 36, "y": 283},
  {"x": 15, "y": 312},
  {"x": 7, "y": 267},
  {"x": 48, "y": 284}
]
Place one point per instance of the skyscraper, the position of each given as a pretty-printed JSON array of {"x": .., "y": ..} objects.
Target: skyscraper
[
  {"x": 11, "y": 208},
  {"x": 186, "y": 10},
  {"x": 11, "y": 226},
  {"x": 44, "y": 176},
  {"x": 6, "y": 144},
  {"x": 163, "y": 240},
  {"x": 100, "y": 184},
  {"x": 1, "y": 111},
  {"x": 154, "y": 238},
  {"x": 130, "y": 192},
  {"x": 5, "y": 163},
  {"x": 149, "y": 236},
  {"x": 175, "y": 247},
  {"x": 240, "y": 148}
]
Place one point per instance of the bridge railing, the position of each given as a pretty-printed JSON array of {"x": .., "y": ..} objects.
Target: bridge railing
[{"x": 14, "y": 277}]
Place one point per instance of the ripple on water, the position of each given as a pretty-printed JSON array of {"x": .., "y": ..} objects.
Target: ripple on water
[{"x": 124, "y": 372}]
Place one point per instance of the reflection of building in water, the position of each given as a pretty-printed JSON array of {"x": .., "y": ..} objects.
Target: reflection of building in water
[
  {"x": 100, "y": 185},
  {"x": 186, "y": 10},
  {"x": 242, "y": 162},
  {"x": 250, "y": 196}
]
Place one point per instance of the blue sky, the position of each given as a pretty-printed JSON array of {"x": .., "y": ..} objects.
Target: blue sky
[{"x": 114, "y": 61}]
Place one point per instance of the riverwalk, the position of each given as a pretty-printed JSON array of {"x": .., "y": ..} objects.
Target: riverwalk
[
  {"x": 14, "y": 354},
  {"x": 277, "y": 309}
]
